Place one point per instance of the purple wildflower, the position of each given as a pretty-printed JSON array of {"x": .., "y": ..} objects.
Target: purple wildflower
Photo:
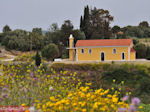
[
  {"x": 32, "y": 74},
  {"x": 132, "y": 108},
  {"x": 1, "y": 99},
  {"x": 122, "y": 110},
  {"x": 125, "y": 98},
  {"x": 11, "y": 74},
  {"x": 6, "y": 85},
  {"x": 5, "y": 96},
  {"x": 5, "y": 89},
  {"x": 35, "y": 78},
  {"x": 135, "y": 101}
]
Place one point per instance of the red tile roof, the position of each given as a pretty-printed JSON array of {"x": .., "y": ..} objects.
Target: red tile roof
[
  {"x": 104, "y": 42},
  {"x": 132, "y": 50}
]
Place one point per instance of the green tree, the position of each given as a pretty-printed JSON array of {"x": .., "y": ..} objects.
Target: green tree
[
  {"x": 146, "y": 32},
  {"x": 50, "y": 51},
  {"x": 96, "y": 23},
  {"x": 53, "y": 37},
  {"x": 36, "y": 41},
  {"x": 37, "y": 30},
  {"x": 78, "y": 35},
  {"x": 81, "y": 23},
  {"x": 148, "y": 53},
  {"x": 134, "y": 31},
  {"x": 67, "y": 26},
  {"x": 115, "y": 29},
  {"x": 85, "y": 22},
  {"x": 66, "y": 30},
  {"x": 1, "y": 37},
  {"x": 17, "y": 39},
  {"x": 135, "y": 41},
  {"x": 144, "y": 24},
  {"x": 100, "y": 21},
  {"x": 141, "y": 50},
  {"x": 6, "y": 29},
  {"x": 54, "y": 27},
  {"x": 37, "y": 59}
]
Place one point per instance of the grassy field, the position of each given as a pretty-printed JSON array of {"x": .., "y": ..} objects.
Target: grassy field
[
  {"x": 73, "y": 87},
  {"x": 137, "y": 62}
]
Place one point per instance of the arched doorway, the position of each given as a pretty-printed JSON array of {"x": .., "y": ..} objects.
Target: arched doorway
[
  {"x": 123, "y": 56},
  {"x": 102, "y": 56}
]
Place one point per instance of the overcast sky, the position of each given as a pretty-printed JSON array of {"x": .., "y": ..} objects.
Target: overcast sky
[{"x": 27, "y": 14}]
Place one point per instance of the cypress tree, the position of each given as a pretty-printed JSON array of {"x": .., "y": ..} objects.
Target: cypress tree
[
  {"x": 37, "y": 59},
  {"x": 86, "y": 13},
  {"x": 81, "y": 23},
  {"x": 86, "y": 22}
]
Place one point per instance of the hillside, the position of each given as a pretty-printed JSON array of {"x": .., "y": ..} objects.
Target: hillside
[{"x": 145, "y": 41}]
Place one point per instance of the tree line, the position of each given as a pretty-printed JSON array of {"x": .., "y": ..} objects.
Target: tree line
[
  {"x": 38, "y": 40},
  {"x": 94, "y": 24}
]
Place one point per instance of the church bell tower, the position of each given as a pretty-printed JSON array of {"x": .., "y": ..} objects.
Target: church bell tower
[{"x": 71, "y": 48}]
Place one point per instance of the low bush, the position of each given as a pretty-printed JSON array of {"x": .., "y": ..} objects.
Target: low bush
[{"x": 50, "y": 51}]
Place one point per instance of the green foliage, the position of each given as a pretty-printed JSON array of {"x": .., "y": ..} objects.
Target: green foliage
[
  {"x": 17, "y": 39},
  {"x": 1, "y": 37},
  {"x": 60, "y": 37},
  {"x": 53, "y": 37},
  {"x": 146, "y": 108},
  {"x": 50, "y": 51},
  {"x": 134, "y": 31},
  {"x": 66, "y": 30},
  {"x": 85, "y": 22},
  {"x": 37, "y": 59},
  {"x": 141, "y": 50},
  {"x": 148, "y": 53},
  {"x": 36, "y": 41},
  {"x": 6, "y": 29},
  {"x": 78, "y": 35},
  {"x": 115, "y": 29},
  {"x": 141, "y": 31},
  {"x": 144, "y": 24},
  {"x": 95, "y": 23},
  {"x": 22, "y": 40},
  {"x": 54, "y": 27},
  {"x": 37, "y": 30},
  {"x": 135, "y": 41},
  {"x": 81, "y": 23}
]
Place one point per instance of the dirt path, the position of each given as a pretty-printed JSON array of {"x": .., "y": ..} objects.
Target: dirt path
[{"x": 10, "y": 58}]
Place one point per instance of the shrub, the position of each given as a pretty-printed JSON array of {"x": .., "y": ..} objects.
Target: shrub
[
  {"x": 146, "y": 108},
  {"x": 50, "y": 51},
  {"x": 141, "y": 50},
  {"x": 37, "y": 59}
]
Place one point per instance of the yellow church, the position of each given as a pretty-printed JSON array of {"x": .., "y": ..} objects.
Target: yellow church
[{"x": 101, "y": 50}]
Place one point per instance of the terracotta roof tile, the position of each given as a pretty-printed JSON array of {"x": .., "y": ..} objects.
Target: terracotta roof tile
[{"x": 104, "y": 42}]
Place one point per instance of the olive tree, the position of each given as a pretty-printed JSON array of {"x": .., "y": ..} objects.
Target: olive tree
[{"x": 50, "y": 51}]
